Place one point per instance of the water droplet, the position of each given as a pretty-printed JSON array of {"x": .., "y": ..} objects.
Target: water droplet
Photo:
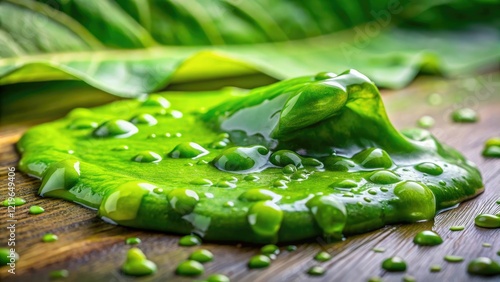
[
  {"x": 201, "y": 255},
  {"x": 324, "y": 75},
  {"x": 36, "y": 210},
  {"x": 323, "y": 256},
  {"x": 426, "y": 122},
  {"x": 225, "y": 184},
  {"x": 316, "y": 271},
  {"x": 427, "y": 238},
  {"x": 453, "y": 259},
  {"x": 487, "y": 221},
  {"x": 394, "y": 264},
  {"x": 435, "y": 268},
  {"x": 144, "y": 119},
  {"x": 336, "y": 163},
  {"x": 120, "y": 148},
  {"x": 147, "y": 157},
  {"x": 228, "y": 204},
  {"x": 190, "y": 268},
  {"x": 82, "y": 123},
  {"x": 242, "y": 158},
  {"x": 201, "y": 182},
  {"x": 117, "y": 128},
  {"x": 384, "y": 177},
  {"x": 289, "y": 169},
  {"x": 483, "y": 266},
  {"x": 265, "y": 218},
  {"x": 256, "y": 195},
  {"x": 270, "y": 250},
  {"x": 187, "y": 150},
  {"x": 345, "y": 184},
  {"x": 189, "y": 240},
  {"x": 372, "y": 191},
  {"x": 49, "y": 237},
  {"x": 429, "y": 168},
  {"x": 60, "y": 177},
  {"x": 464, "y": 115},
  {"x": 283, "y": 158},
  {"x": 218, "y": 278},
  {"x": 259, "y": 261},
  {"x": 124, "y": 202},
  {"x": 280, "y": 183},
  {"x": 329, "y": 213},
  {"x": 457, "y": 228},
  {"x": 299, "y": 176},
  {"x": 251, "y": 178},
  {"x": 415, "y": 202},
  {"x": 373, "y": 158},
  {"x": 132, "y": 241},
  {"x": 155, "y": 100},
  {"x": 183, "y": 200}
]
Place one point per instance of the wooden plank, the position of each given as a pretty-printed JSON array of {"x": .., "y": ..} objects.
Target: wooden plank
[{"x": 94, "y": 251}]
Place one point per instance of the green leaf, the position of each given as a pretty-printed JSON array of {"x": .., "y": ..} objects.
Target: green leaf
[{"x": 132, "y": 47}]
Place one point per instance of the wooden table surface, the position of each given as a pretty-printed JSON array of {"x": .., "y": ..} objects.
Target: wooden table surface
[{"x": 93, "y": 250}]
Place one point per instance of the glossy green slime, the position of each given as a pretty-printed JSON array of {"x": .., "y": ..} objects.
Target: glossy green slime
[{"x": 300, "y": 158}]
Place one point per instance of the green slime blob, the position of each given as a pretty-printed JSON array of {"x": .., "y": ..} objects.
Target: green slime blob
[{"x": 313, "y": 156}]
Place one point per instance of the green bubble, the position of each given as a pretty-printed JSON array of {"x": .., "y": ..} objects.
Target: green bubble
[
  {"x": 322, "y": 256},
  {"x": 335, "y": 163},
  {"x": 6, "y": 256},
  {"x": 16, "y": 201},
  {"x": 36, "y": 210},
  {"x": 265, "y": 218},
  {"x": 202, "y": 256},
  {"x": 137, "y": 264},
  {"x": 429, "y": 168},
  {"x": 384, "y": 177},
  {"x": 375, "y": 279},
  {"x": 464, "y": 115},
  {"x": 378, "y": 250},
  {"x": 59, "y": 274},
  {"x": 415, "y": 202},
  {"x": 316, "y": 271},
  {"x": 117, "y": 128},
  {"x": 60, "y": 177},
  {"x": 124, "y": 202},
  {"x": 144, "y": 119},
  {"x": 329, "y": 213},
  {"x": 270, "y": 250},
  {"x": 147, "y": 157},
  {"x": 427, "y": 238},
  {"x": 483, "y": 266},
  {"x": 183, "y": 200},
  {"x": 155, "y": 100},
  {"x": 373, "y": 158},
  {"x": 187, "y": 150},
  {"x": 132, "y": 241},
  {"x": 256, "y": 195},
  {"x": 49, "y": 237},
  {"x": 217, "y": 278},
  {"x": 259, "y": 261},
  {"x": 394, "y": 264},
  {"x": 487, "y": 221},
  {"x": 189, "y": 240},
  {"x": 242, "y": 158},
  {"x": 291, "y": 248}
]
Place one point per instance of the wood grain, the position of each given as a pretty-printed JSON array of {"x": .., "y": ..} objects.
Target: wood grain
[{"x": 94, "y": 251}]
